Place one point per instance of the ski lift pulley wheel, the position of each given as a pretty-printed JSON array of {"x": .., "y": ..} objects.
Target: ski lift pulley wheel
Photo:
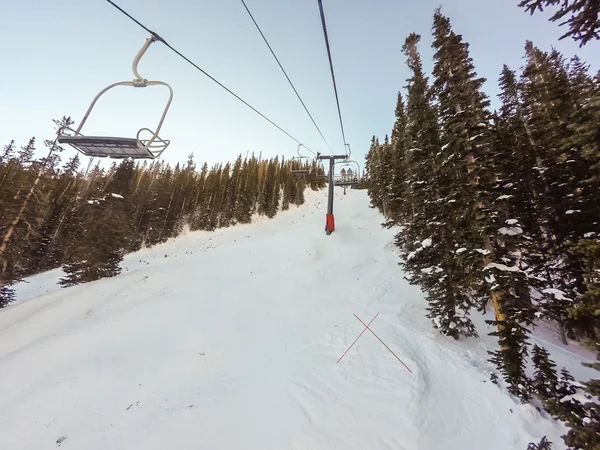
[{"x": 149, "y": 147}]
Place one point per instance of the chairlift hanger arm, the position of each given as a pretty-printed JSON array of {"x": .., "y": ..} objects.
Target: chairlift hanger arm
[
  {"x": 303, "y": 156},
  {"x": 141, "y": 53}
]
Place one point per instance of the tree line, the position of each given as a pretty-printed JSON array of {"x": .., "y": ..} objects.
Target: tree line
[
  {"x": 501, "y": 209},
  {"x": 58, "y": 215}
]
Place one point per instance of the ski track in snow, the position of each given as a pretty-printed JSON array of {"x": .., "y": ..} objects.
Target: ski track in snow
[{"x": 229, "y": 340}]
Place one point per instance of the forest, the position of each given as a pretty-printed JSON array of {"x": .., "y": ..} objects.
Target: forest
[
  {"x": 500, "y": 209},
  {"x": 55, "y": 214}
]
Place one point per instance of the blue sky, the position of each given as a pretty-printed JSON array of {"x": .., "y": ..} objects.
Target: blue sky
[{"x": 57, "y": 55}]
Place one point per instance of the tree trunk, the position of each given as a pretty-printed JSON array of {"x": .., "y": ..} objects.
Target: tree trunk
[
  {"x": 562, "y": 333},
  {"x": 496, "y": 296}
]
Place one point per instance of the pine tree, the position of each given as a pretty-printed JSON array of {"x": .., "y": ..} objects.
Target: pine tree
[
  {"x": 20, "y": 208},
  {"x": 585, "y": 419},
  {"x": 7, "y": 152},
  {"x": 586, "y": 312},
  {"x": 488, "y": 229},
  {"x": 7, "y": 295},
  {"x": 97, "y": 246},
  {"x": 47, "y": 252},
  {"x": 23, "y": 206},
  {"x": 398, "y": 190},
  {"x": 428, "y": 236},
  {"x": 552, "y": 102},
  {"x": 544, "y": 380},
  {"x": 583, "y": 17},
  {"x": 372, "y": 167},
  {"x": 544, "y": 444}
]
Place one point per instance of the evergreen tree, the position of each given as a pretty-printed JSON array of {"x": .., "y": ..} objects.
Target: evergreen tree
[
  {"x": 97, "y": 246},
  {"x": 7, "y": 295},
  {"x": 583, "y": 17},
  {"x": 545, "y": 379},
  {"x": 479, "y": 192},
  {"x": 399, "y": 201},
  {"x": 585, "y": 419},
  {"x": 430, "y": 235},
  {"x": 47, "y": 252},
  {"x": 565, "y": 207},
  {"x": 544, "y": 444},
  {"x": 7, "y": 152}
]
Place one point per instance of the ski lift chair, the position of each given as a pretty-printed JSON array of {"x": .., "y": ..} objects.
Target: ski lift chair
[
  {"x": 149, "y": 146},
  {"x": 299, "y": 158},
  {"x": 345, "y": 180}
]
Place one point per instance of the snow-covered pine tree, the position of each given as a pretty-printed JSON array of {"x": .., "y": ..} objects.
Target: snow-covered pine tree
[
  {"x": 585, "y": 418},
  {"x": 554, "y": 102},
  {"x": 565, "y": 400},
  {"x": 518, "y": 170},
  {"x": 398, "y": 193},
  {"x": 378, "y": 170},
  {"x": 7, "y": 295},
  {"x": 101, "y": 230},
  {"x": 427, "y": 239},
  {"x": 481, "y": 209},
  {"x": 545, "y": 379},
  {"x": 387, "y": 159}
]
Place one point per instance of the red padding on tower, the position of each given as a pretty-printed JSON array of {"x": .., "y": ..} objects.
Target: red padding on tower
[{"x": 330, "y": 222}]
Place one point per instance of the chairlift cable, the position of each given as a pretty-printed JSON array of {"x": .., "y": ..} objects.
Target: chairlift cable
[
  {"x": 160, "y": 39},
  {"x": 332, "y": 72},
  {"x": 286, "y": 75}
]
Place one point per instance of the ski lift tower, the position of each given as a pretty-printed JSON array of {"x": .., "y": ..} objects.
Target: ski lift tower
[{"x": 330, "y": 222}]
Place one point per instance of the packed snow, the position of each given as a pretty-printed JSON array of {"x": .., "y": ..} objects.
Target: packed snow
[{"x": 229, "y": 340}]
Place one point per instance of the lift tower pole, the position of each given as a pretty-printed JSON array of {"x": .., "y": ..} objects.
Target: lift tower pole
[{"x": 329, "y": 222}]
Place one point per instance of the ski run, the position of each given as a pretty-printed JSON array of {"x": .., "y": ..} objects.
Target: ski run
[{"x": 230, "y": 340}]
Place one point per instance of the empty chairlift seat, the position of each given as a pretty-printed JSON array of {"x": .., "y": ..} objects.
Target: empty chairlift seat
[
  {"x": 302, "y": 171},
  {"x": 149, "y": 147}
]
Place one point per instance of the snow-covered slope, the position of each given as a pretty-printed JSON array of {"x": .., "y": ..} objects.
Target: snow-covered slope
[{"x": 229, "y": 340}]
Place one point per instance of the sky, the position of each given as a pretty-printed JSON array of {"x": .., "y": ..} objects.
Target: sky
[{"x": 58, "y": 55}]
